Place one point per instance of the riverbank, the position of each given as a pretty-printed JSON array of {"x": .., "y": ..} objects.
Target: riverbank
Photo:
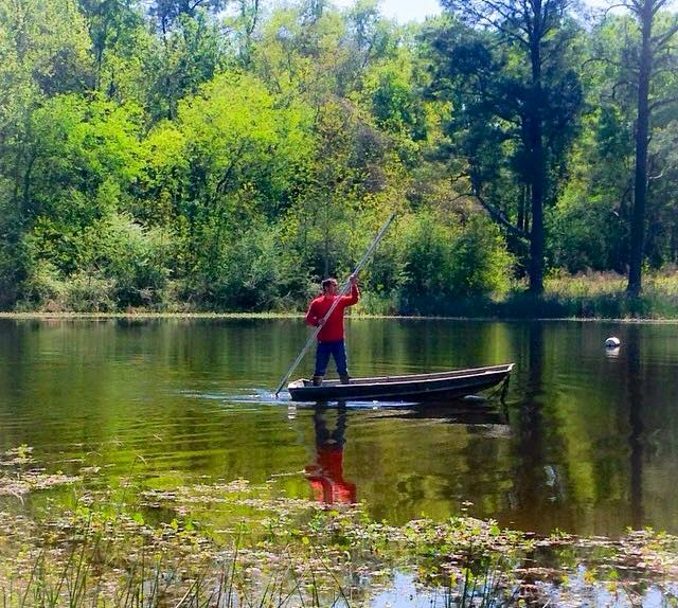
[
  {"x": 233, "y": 543},
  {"x": 150, "y": 316},
  {"x": 587, "y": 296},
  {"x": 140, "y": 315}
]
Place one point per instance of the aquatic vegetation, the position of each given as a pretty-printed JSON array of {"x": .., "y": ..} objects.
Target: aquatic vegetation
[
  {"x": 233, "y": 544},
  {"x": 20, "y": 475}
]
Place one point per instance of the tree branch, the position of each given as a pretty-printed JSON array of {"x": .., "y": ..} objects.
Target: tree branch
[
  {"x": 609, "y": 8},
  {"x": 659, "y": 41},
  {"x": 196, "y": 4},
  {"x": 659, "y": 6},
  {"x": 500, "y": 217},
  {"x": 481, "y": 17},
  {"x": 663, "y": 102}
]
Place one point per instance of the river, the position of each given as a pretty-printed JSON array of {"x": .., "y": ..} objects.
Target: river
[{"x": 586, "y": 440}]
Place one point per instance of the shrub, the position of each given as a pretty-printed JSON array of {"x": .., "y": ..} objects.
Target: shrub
[
  {"x": 241, "y": 274},
  {"x": 43, "y": 287},
  {"x": 136, "y": 260},
  {"x": 89, "y": 291},
  {"x": 445, "y": 265},
  {"x": 480, "y": 264}
]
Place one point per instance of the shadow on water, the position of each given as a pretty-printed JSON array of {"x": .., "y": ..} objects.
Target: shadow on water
[
  {"x": 544, "y": 478},
  {"x": 473, "y": 410},
  {"x": 478, "y": 414}
]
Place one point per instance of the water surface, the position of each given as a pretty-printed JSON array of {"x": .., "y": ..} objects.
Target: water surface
[{"x": 587, "y": 441}]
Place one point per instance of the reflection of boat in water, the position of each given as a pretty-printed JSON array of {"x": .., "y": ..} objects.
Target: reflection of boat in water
[
  {"x": 480, "y": 416},
  {"x": 475, "y": 413},
  {"x": 414, "y": 387},
  {"x": 326, "y": 474}
]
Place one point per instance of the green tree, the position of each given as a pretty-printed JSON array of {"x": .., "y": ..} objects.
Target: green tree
[
  {"x": 168, "y": 12},
  {"x": 232, "y": 161},
  {"x": 655, "y": 54},
  {"x": 187, "y": 57},
  {"x": 445, "y": 262},
  {"x": 43, "y": 51},
  {"x": 85, "y": 153},
  {"x": 512, "y": 90},
  {"x": 592, "y": 219},
  {"x": 119, "y": 41}
]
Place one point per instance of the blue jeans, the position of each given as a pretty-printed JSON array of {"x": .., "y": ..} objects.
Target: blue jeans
[{"x": 322, "y": 357}]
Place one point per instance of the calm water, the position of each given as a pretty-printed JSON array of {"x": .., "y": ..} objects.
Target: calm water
[{"x": 587, "y": 442}]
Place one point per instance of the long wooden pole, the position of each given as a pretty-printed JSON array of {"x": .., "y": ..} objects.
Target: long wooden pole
[{"x": 343, "y": 291}]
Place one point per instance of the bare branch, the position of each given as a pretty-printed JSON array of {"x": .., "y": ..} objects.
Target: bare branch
[
  {"x": 500, "y": 217},
  {"x": 196, "y": 4},
  {"x": 455, "y": 178},
  {"x": 507, "y": 13},
  {"x": 460, "y": 196},
  {"x": 612, "y": 62},
  {"x": 636, "y": 6},
  {"x": 223, "y": 182},
  {"x": 621, "y": 83},
  {"x": 526, "y": 17}
]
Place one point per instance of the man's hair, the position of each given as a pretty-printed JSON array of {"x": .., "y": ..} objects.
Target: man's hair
[{"x": 327, "y": 282}]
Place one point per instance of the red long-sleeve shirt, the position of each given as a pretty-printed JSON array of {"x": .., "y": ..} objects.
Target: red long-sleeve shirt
[{"x": 333, "y": 329}]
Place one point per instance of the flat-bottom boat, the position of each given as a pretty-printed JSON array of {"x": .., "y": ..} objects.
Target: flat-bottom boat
[{"x": 414, "y": 387}]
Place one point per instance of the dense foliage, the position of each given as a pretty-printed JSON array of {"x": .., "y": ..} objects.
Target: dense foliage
[{"x": 225, "y": 155}]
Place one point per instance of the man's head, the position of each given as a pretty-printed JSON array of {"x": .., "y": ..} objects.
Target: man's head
[{"x": 329, "y": 286}]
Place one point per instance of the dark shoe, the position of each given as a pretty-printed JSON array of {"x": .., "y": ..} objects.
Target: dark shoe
[
  {"x": 317, "y": 380},
  {"x": 345, "y": 379}
]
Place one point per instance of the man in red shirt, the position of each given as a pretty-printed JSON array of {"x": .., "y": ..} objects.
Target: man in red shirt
[{"x": 331, "y": 336}]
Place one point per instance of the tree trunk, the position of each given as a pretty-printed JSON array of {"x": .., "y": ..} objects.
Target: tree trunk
[
  {"x": 645, "y": 15},
  {"x": 538, "y": 177},
  {"x": 537, "y": 232}
]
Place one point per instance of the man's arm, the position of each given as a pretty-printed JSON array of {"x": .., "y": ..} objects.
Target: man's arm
[
  {"x": 354, "y": 298},
  {"x": 312, "y": 318}
]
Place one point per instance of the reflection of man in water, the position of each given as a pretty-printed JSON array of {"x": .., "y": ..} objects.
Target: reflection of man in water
[{"x": 326, "y": 474}]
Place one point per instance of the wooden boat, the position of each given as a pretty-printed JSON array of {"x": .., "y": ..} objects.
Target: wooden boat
[{"x": 415, "y": 387}]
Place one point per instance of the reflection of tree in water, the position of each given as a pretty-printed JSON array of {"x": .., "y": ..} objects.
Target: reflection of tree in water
[
  {"x": 635, "y": 388},
  {"x": 538, "y": 486},
  {"x": 531, "y": 476},
  {"x": 530, "y": 431},
  {"x": 326, "y": 474}
]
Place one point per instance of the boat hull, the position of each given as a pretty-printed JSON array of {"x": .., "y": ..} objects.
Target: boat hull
[{"x": 417, "y": 387}]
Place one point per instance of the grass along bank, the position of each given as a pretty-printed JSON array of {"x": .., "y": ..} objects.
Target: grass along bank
[
  {"x": 591, "y": 295},
  {"x": 231, "y": 544},
  {"x": 584, "y": 296}
]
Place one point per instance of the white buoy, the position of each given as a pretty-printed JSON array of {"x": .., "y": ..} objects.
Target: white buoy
[{"x": 612, "y": 342}]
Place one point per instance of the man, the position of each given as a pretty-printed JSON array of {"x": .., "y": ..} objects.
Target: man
[{"x": 331, "y": 336}]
